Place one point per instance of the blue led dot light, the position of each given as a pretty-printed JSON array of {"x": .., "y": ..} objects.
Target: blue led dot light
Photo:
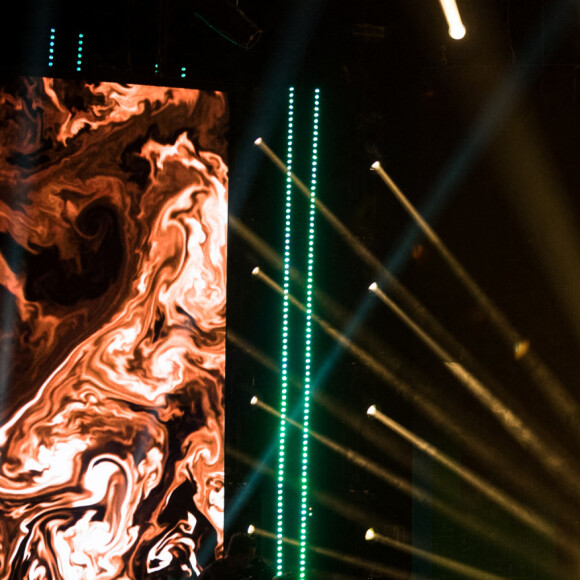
[
  {"x": 51, "y": 46},
  {"x": 80, "y": 43}
]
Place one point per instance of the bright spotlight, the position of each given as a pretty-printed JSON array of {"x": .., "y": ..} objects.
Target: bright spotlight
[
  {"x": 254, "y": 400},
  {"x": 375, "y": 165},
  {"x": 373, "y": 287},
  {"x": 258, "y": 141},
  {"x": 370, "y": 535},
  {"x": 251, "y": 529},
  {"x": 457, "y": 31},
  {"x": 372, "y": 410},
  {"x": 255, "y": 271},
  {"x": 456, "y": 28}
]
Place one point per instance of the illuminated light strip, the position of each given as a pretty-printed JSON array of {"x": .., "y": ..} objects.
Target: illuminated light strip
[
  {"x": 285, "y": 324},
  {"x": 308, "y": 339},
  {"x": 267, "y": 534},
  {"x": 51, "y": 47},
  {"x": 461, "y": 517},
  {"x": 80, "y": 52}
]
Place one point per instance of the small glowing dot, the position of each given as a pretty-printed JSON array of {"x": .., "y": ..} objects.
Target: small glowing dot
[{"x": 521, "y": 348}]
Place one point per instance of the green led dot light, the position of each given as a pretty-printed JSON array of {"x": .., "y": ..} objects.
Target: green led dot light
[
  {"x": 286, "y": 505},
  {"x": 285, "y": 324},
  {"x": 308, "y": 337}
]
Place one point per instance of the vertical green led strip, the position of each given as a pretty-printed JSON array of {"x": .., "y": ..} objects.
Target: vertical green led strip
[
  {"x": 285, "y": 312},
  {"x": 308, "y": 340}
]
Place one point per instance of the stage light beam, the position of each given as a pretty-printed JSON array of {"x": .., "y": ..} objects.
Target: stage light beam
[
  {"x": 285, "y": 327},
  {"x": 553, "y": 460},
  {"x": 507, "y": 503},
  {"x": 456, "y": 26},
  {"x": 552, "y": 388},
  {"x": 441, "y": 561},
  {"x": 371, "y": 567},
  {"x": 399, "y": 483}
]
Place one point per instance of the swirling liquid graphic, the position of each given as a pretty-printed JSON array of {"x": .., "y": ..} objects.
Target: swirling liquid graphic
[{"x": 113, "y": 224}]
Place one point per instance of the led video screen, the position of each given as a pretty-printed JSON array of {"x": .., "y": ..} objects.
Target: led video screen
[{"x": 113, "y": 225}]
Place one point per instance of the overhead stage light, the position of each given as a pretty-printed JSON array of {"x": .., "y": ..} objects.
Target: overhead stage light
[{"x": 370, "y": 535}]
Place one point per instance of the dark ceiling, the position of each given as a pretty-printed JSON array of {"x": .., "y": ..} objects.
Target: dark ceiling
[{"x": 482, "y": 135}]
